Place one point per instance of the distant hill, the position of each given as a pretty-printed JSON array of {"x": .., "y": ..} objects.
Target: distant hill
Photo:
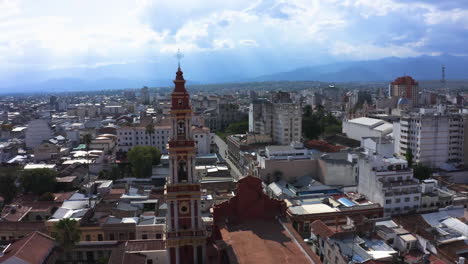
[
  {"x": 421, "y": 68},
  {"x": 214, "y": 71}
]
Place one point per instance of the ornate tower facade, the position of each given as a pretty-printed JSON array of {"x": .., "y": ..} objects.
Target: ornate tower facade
[{"x": 186, "y": 235}]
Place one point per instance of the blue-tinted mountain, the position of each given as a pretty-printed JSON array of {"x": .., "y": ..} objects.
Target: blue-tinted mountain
[{"x": 421, "y": 68}]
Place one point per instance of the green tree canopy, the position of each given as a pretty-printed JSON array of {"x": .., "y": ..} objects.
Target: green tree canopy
[
  {"x": 409, "y": 157},
  {"x": 238, "y": 127},
  {"x": 113, "y": 174},
  {"x": 67, "y": 233},
  {"x": 8, "y": 187},
  {"x": 142, "y": 159},
  {"x": 319, "y": 122},
  {"x": 39, "y": 181},
  {"x": 421, "y": 172}
]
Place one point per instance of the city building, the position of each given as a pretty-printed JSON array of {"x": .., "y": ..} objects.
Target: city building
[
  {"x": 435, "y": 136},
  {"x": 405, "y": 87},
  {"x": 284, "y": 162},
  {"x": 366, "y": 127},
  {"x": 38, "y": 130},
  {"x": 130, "y": 136},
  {"x": 279, "y": 118},
  {"x": 389, "y": 181}
]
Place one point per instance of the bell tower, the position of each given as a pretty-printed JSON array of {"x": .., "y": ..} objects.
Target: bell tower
[{"x": 185, "y": 232}]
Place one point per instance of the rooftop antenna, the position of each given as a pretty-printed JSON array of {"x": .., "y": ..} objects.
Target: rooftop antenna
[{"x": 179, "y": 56}]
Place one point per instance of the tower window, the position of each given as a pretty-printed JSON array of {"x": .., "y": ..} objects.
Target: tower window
[{"x": 182, "y": 171}]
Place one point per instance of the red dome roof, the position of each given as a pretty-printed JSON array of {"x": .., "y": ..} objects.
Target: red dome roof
[{"x": 405, "y": 80}]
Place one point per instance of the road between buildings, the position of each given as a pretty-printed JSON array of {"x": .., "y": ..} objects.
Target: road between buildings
[{"x": 222, "y": 149}]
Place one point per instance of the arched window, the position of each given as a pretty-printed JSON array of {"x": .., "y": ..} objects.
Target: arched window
[{"x": 182, "y": 171}]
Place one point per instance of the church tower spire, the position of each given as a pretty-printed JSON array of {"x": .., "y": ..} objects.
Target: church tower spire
[{"x": 185, "y": 233}]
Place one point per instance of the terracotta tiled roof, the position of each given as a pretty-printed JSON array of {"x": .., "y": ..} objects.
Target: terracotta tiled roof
[
  {"x": 322, "y": 146},
  {"x": 14, "y": 213},
  {"x": 404, "y": 80},
  {"x": 263, "y": 242},
  {"x": 21, "y": 251},
  {"x": 61, "y": 197},
  {"x": 321, "y": 229}
]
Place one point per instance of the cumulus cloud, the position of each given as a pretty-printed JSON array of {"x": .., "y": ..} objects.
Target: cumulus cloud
[{"x": 87, "y": 32}]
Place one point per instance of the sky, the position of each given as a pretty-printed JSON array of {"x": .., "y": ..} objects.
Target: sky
[{"x": 49, "y": 35}]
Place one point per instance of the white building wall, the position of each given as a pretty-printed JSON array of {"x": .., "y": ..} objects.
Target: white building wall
[
  {"x": 434, "y": 139},
  {"x": 358, "y": 131}
]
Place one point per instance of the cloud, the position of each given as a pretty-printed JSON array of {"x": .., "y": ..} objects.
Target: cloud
[{"x": 55, "y": 34}]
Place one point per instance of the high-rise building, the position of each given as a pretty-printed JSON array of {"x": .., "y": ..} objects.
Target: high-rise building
[
  {"x": 405, "y": 87},
  {"x": 185, "y": 232},
  {"x": 435, "y": 136},
  {"x": 145, "y": 96},
  {"x": 281, "y": 119}
]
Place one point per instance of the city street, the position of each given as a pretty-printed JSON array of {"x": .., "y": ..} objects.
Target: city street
[{"x": 222, "y": 148}]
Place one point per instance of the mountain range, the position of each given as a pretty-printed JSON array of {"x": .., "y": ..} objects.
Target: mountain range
[{"x": 123, "y": 76}]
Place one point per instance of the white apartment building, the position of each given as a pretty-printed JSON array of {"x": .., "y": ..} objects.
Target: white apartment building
[
  {"x": 389, "y": 182},
  {"x": 38, "y": 130},
  {"x": 282, "y": 121},
  {"x": 434, "y": 136},
  {"x": 130, "y": 136}
]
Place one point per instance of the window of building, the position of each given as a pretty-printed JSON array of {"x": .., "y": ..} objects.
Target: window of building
[
  {"x": 407, "y": 199},
  {"x": 149, "y": 261},
  {"x": 158, "y": 236},
  {"x": 397, "y": 200},
  {"x": 99, "y": 237},
  {"x": 144, "y": 236},
  {"x": 88, "y": 238},
  {"x": 389, "y": 201},
  {"x": 306, "y": 227},
  {"x": 416, "y": 198},
  {"x": 111, "y": 237}
]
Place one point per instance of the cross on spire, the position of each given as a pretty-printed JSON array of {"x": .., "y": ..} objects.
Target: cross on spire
[{"x": 179, "y": 56}]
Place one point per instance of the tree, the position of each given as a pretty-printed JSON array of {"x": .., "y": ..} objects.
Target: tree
[
  {"x": 409, "y": 157},
  {"x": 307, "y": 111},
  {"x": 8, "y": 187},
  {"x": 67, "y": 233},
  {"x": 421, "y": 172},
  {"x": 238, "y": 127},
  {"x": 39, "y": 181},
  {"x": 319, "y": 123},
  {"x": 113, "y": 174},
  {"x": 142, "y": 159},
  {"x": 150, "y": 131}
]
